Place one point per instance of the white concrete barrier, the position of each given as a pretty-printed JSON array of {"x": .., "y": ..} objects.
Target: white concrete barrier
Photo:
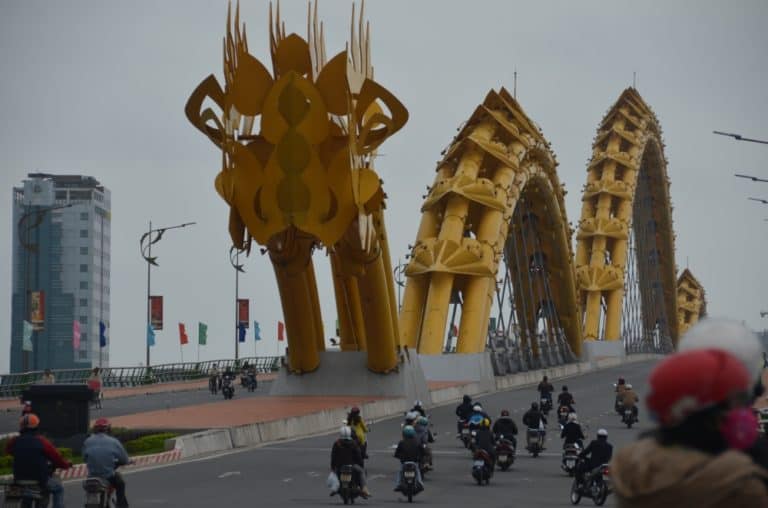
[{"x": 200, "y": 443}]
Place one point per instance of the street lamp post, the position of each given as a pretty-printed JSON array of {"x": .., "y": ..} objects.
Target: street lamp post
[
  {"x": 145, "y": 243},
  {"x": 24, "y": 241},
  {"x": 400, "y": 280},
  {"x": 234, "y": 259}
]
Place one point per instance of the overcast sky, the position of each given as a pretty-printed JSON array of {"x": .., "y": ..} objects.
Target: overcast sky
[{"x": 98, "y": 88}]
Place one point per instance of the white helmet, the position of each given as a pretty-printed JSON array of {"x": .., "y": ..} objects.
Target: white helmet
[
  {"x": 572, "y": 417},
  {"x": 727, "y": 335},
  {"x": 417, "y": 403},
  {"x": 628, "y": 386},
  {"x": 345, "y": 432},
  {"x": 602, "y": 432},
  {"x": 411, "y": 415},
  {"x": 477, "y": 407}
]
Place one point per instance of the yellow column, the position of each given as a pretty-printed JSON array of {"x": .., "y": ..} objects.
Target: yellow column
[
  {"x": 382, "y": 355},
  {"x": 317, "y": 316},
  {"x": 387, "y": 263},
  {"x": 302, "y": 347},
  {"x": 348, "y": 304}
]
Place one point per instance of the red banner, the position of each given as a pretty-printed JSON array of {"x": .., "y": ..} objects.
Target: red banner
[
  {"x": 242, "y": 312},
  {"x": 280, "y": 331},
  {"x": 37, "y": 309},
  {"x": 183, "y": 339},
  {"x": 156, "y": 312}
]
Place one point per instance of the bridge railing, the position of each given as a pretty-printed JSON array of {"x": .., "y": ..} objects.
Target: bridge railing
[{"x": 11, "y": 385}]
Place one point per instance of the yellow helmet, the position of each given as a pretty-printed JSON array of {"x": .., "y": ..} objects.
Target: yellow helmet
[{"x": 486, "y": 422}]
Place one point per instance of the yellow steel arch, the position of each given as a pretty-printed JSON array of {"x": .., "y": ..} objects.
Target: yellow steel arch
[
  {"x": 498, "y": 159},
  {"x": 691, "y": 301},
  {"x": 628, "y": 145}
]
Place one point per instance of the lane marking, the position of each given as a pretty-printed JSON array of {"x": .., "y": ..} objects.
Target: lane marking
[
  {"x": 287, "y": 480},
  {"x": 229, "y": 473}
]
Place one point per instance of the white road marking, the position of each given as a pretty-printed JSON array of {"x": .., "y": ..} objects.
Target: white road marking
[
  {"x": 313, "y": 474},
  {"x": 287, "y": 480},
  {"x": 229, "y": 473}
]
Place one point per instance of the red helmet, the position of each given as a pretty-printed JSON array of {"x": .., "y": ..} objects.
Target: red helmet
[
  {"x": 504, "y": 412},
  {"x": 102, "y": 425},
  {"x": 29, "y": 421},
  {"x": 688, "y": 382},
  {"x": 355, "y": 410}
]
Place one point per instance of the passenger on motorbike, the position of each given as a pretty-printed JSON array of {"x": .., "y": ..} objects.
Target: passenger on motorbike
[
  {"x": 506, "y": 427},
  {"x": 102, "y": 453},
  {"x": 346, "y": 453},
  {"x": 484, "y": 440},
  {"x": 572, "y": 432},
  {"x": 32, "y": 458},
  {"x": 477, "y": 410},
  {"x": 419, "y": 408},
  {"x": 424, "y": 437},
  {"x": 409, "y": 450},
  {"x": 566, "y": 399},
  {"x": 597, "y": 453},
  {"x": 359, "y": 428},
  {"x": 534, "y": 418},
  {"x": 629, "y": 399},
  {"x": 463, "y": 412},
  {"x": 545, "y": 389}
]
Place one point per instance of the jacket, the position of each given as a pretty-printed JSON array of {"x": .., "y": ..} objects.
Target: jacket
[
  {"x": 505, "y": 426},
  {"x": 345, "y": 452},
  {"x": 102, "y": 453},
  {"x": 546, "y": 389},
  {"x": 629, "y": 398},
  {"x": 565, "y": 399},
  {"x": 646, "y": 474},
  {"x": 599, "y": 452},
  {"x": 359, "y": 428},
  {"x": 484, "y": 440},
  {"x": 532, "y": 418},
  {"x": 31, "y": 454},
  {"x": 409, "y": 450},
  {"x": 464, "y": 410},
  {"x": 572, "y": 433}
]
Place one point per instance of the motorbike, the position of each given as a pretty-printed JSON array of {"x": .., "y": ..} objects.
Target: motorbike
[
  {"x": 99, "y": 493},
  {"x": 227, "y": 389},
  {"x": 482, "y": 467},
  {"x": 465, "y": 434},
  {"x": 505, "y": 453},
  {"x": 570, "y": 457},
  {"x": 425, "y": 462},
  {"x": 251, "y": 382},
  {"x": 409, "y": 486},
  {"x": 546, "y": 405},
  {"x": 349, "y": 487},
  {"x": 534, "y": 441},
  {"x": 762, "y": 420},
  {"x": 597, "y": 486},
  {"x": 25, "y": 494},
  {"x": 628, "y": 418},
  {"x": 562, "y": 415}
]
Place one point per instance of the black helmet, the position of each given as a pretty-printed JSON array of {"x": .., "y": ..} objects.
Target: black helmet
[
  {"x": 467, "y": 398},
  {"x": 534, "y": 405},
  {"x": 504, "y": 412},
  {"x": 565, "y": 388}
]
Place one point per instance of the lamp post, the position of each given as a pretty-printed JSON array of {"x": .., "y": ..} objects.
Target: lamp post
[
  {"x": 149, "y": 238},
  {"x": 234, "y": 259},
  {"x": 23, "y": 229},
  {"x": 399, "y": 273}
]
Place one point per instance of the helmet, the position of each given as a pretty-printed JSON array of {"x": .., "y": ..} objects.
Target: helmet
[
  {"x": 102, "y": 425},
  {"x": 729, "y": 336},
  {"x": 621, "y": 381},
  {"x": 628, "y": 386},
  {"x": 477, "y": 407},
  {"x": 565, "y": 388},
  {"x": 602, "y": 433},
  {"x": 409, "y": 431},
  {"x": 411, "y": 415},
  {"x": 485, "y": 423},
  {"x": 535, "y": 406},
  {"x": 504, "y": 412},
  {"x": 417, "y": 403},
  {"x": 572, "y": 417},
  {"x": 27, "y": 407},
  {"x": 345, "y": 433},
  {"x": 355, "y": 410},
  {"x": 467, "y": 398},
  {"x": 423, "y": 421},
  {"x": 688, "y": 382},
  {"x": 29, "y": 421}
]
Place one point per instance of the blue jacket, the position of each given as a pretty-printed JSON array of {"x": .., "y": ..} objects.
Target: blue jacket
[{"x": 102, "y": 454}]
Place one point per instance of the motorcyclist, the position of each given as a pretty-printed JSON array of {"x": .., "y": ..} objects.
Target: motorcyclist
[
  {"x": 359, "y": 429},
  {"x": 597, "y": 453},
  {"x": 572, "y": 432},
  {"x": 410, "y": 418},
  {"x": 484, "y": 440},
  {"x": 32, "y": 456},
  {"x": 620, "y": 385},
  {"x": 423, "y": 436},
  {"x": 419, "y": 408},
  {"x": 102, "y": 453},
  {"x": 545, "y": 389},
  {"x": 213, "y": 380},
  {"x": 26, "y": 408},
  {"x": 629, "y": 399},
  {"x": 346, "y": 453},
  {"x": 506, "y": 427},
  {"x": 566, "y": 399},
  {"x": 463, "y": 412},
  {"x": 535, "y": 419},
  {"x": 409, "y": 450},
  {"x": 477, "y": 410}
]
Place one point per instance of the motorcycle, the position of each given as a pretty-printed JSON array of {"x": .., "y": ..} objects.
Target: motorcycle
[
  {"x": 227, "y": 389},
  {"x": 349, "y": 487},
  {"x": 409, "y": 486},
  {"x": 425, "y": 462},
  {"x": 570, "y": 457},
  {"x": 465, "y": 434},
  {"x": 546, "y": 405},
  {"x": 251, "y": 382},
  {"x": 628, "y": 418},
  {"x": 534, "y": 441},
  {"x": 25, "y": 494},
  {"x": 505, "y": 453},
  {"x": 597, "y": 486},
  {"x": 562, "y": 415},
  {"x": 482, "y": 467},
  {"x": 99, "y": 493}
]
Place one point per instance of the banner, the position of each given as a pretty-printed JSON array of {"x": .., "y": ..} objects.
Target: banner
[
  {"x": 183, "y": 339},
  {"x": 102, "y": 334},
  {"x": 156, "y": 312},
  {"x": 37, "y": 309},
  {"x": 150, "y": 335},
  {"x": 241, "y": 332},
  {"x": 202, "y": 333},
  {"x": 26, "y": 340},
  {"x": 76, "y": 335},
  {"x": 242, "y": 312},
  {"x": 280, "y": 331},
  {"x": 256, "y": 331}
]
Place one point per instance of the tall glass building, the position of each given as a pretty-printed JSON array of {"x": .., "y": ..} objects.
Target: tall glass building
[{"x": 61, "y": 263}]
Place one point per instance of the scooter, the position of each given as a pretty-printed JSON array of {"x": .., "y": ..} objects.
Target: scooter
[
  {"x": 597, "y": 486},
  {"x": 628, "y": 418},
  {"x": 465, "y": 435},
  {"x": 99, "y": 493},
  {"x": 570, "y": 457},
  {"x": 505, "y": 453},
  {"x": 546, "y": 406},
  {"x": 408, "y": 484},
  {"x": 482, "y": 467},
  {"x": 349, "y": 488},
  {"x": 227, "y": 389},
  {"x": 562, "y": 415},
  {"x": 25, "y": 494},
  {"x": 534, "y": 441}
]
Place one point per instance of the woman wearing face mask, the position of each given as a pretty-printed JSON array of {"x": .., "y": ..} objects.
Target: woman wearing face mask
[{"x": 700, "y": 399}]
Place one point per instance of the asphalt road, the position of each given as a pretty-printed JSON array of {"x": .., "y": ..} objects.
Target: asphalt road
[
  {"x": 9, "y": 420},
  {"x": 294, "y": 473}
]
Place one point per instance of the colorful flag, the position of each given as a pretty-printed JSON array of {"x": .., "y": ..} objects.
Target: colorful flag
[
  {"x": 102, "y": 334},
  {"x": 256, "y": 330},
  {"x": 280, "y": 331},
  {"x": 183, "y": 339},
  {"x": 202, "y": 333},
  {"x": 26, "y": 343},
  {"x": 241, "y": 332},
  {"x": 242, "y": 312},
  {"x": 76, "y": 335},
  {"x": 150, "y": 335}
]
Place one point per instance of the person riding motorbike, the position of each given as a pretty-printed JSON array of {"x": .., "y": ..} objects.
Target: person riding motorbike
[
  {"x": 597, "y": 453},
  {"x": 33, "y": 456},
  {"x": 359, "y": 429},
  {"x": 419, "y": 408},
  {"x": 506, "y": 427},
  {"x": 463, "y": 412},
  {"x": 572, "y": 432},
  {"x": 409, "y": 450},
  {"x": 566, "y": 399},
  {"x": 629, "y": 399},
  {"x": 346, "y": 453},
  {"x": 535, "y": 419},
  {"x": 102, "y": 453},
  {"x": 545, "y": 389},
  {"x": 424, "y": 437},
  {"x": 695, "y": 456},
  {"x": 477, "y": 410},
  {"x": 213, "y": 378},
  {"x": 484, "y": 440}
]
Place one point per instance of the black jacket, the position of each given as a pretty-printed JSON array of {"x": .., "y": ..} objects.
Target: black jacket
[
  {"x": 484, "y": 440},
  {"x": 345, "y": 452},
  {"x": 759, "y": 452},
  {"x": 409, "y": 450},
  {"x": 572, "y": 433},
  {"x": 505, "y": 426},
  {"x": 32, "y": 454},
  {"x": 546, "y": 388},
  {"x": 464, "y": 410},
  {"x": 597, "y": 453},
  {"x": 565, "y": 399},
  {"x": 532, "y": 418}
]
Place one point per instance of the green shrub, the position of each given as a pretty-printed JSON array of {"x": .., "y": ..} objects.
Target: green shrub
[
  {"x": 153, "y": 443},
  {"x": 6, "y": 461},
  {"x": 66, "y": 453}
]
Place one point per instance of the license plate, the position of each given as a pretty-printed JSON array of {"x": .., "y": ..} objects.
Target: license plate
[
  {"x": 503, "y": 458},
  {"x": 410, "y": 474},
  {"x": 346, "y": 478},
  {"x": 479, "y": 463},
  {"x": 570, "y": 463},
  {"x": 465, "y": 432},
  {"x": 92, "y": 498}
]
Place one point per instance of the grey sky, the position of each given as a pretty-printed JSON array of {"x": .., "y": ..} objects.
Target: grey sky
[{"x": 98, "y": 88}]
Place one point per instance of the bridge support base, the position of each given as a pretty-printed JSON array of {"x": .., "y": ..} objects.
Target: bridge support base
[
  {"x": 593, "y": 350},
  {"x": 345, "y": 373},
  {"x": 467, "y": 367}
]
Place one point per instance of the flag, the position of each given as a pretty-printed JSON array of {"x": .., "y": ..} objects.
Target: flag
[
  {"x": 256, "y": 330},
  {"x": 280, "y": 331},
  {"x": 454, "y": 331},
  {"x": 202, "y": 333},
  {"x": 241, "y": 332},
  {"x": 183, "y": 339},
  {"x": 26, "y": 343},
  {"x": 102, "y": 334},
  {"x": 76, "y": 335},
  {"x": 150, "y": 335}
]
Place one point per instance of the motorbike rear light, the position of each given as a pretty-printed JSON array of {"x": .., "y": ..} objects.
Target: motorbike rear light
[{"x": 606, "y": 471}]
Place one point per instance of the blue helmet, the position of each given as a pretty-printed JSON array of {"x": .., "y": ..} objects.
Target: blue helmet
[{"x": 409, "y": 431}]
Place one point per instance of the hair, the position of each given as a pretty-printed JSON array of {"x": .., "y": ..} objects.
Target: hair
[{"x": 699, "y": 431}]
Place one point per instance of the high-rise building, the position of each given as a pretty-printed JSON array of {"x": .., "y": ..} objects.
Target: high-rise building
[{"x": 61, "y": 260}]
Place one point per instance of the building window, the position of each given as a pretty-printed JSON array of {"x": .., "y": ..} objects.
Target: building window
[
  {"x": 84, "y": 251},
  {"x": 82, "y": 354},
  {"x": 83, "y": 284},
  {"x": 83, "y": 268},
  {"x": 83, "y": 302},
  {"x": 83, "y": 215},
  {"x": 83, "y": 233},
  {"x": 84, "y": 320}
]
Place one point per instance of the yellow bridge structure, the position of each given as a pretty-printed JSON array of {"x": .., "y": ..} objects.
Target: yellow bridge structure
[{"x": 492, "y": 267}]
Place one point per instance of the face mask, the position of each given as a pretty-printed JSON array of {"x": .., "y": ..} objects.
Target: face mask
[{"x": 739, "y": 429}]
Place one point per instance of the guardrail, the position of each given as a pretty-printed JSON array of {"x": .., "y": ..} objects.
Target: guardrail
[{"x": 11, "y": 385}]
